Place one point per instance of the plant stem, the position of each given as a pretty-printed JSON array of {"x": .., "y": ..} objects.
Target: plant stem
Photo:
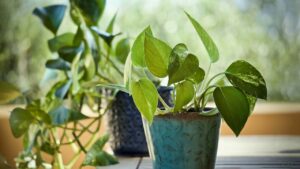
[
  {"x": 215, "y": 76},
  {"x": 202, "y": 96},
  {"x": 167, "y": 107}
]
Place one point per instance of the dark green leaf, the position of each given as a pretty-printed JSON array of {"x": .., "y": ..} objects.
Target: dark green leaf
[
  {"x": 8, "y": 92},
  {"x": 137, "y": 50},
  {"x": 187, "y": 68},
  {"x": 233, "y": 105},
  {"x": 91, "y": 10},
  {"x": 51, "y": 16},
  {"x": 157, "y": 55},
  {"x": 122, "y": 50},
  {"x": 63, "y": 89},
  {"x": 79, "y": 37},
  {"x": 59, "y": 64},
  {"x": 209, "y": 44},
  {"x": 59, "y": 115},
  {"x": 96, "y": 156},
  {"x": 184, "y": 94},
  {"x": 48, "y": 148},
  {"x": 76, "y": 115},
  {"x": 60, "y": 41},
  {"x": 246, "y": 77},
  {"x": 68, "y": 53},
  {"x": 110, "y": 27},
  {"x": 107, "y": 37},
  {"x": 145, "y": 97},
  {"x": 198, "y": 76},
  {"x": 20, "y": 120}
]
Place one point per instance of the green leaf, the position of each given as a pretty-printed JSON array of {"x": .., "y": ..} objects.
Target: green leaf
[
  {"x": 198, "y": 76},
  {"x": 59, "y": 64},
  {"x": 60, "y": 41},
  {"x": 51, "y": 16},
  {"x": 68, "y": 53},
  {"x": 96, "y": 156},
  {"x": 209, "y": 44},
  {"x": 157, "y": 55},
  {"x": 233, "y": 105},
  {"x": 178, "y": 54},
  {"x": 145, "y": 97},
  {"x": 137, "y": 50},
  {"x": 110, "y": 27},
  {"x": 59, "y": 115},
  {"x": 107, "y": 37},
  {"x": 251, "y": 101},
  {"x": 91, "y": 10},
  {"x": 122, "y": 50},
  {"x": 63, "y": 89},
  {"x": 8, "y": 92},
  {"x": 246, "y": 77},
  {"x": 184, "y": 94},
  {"x": 20, "y": 120},
  {"x": 40, "y": 115},
  {"x": 187, "y": 68}
]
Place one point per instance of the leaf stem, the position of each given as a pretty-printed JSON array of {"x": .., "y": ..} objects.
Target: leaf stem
[{"x": 167, "y": 107}]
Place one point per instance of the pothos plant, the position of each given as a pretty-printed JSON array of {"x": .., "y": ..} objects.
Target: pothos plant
[
  {"x": 84, "y": 58},
  {"x": 192, "y": 85}
]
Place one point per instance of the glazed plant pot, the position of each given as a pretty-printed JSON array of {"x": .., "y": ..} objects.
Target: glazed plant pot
[
  {"x": 126, "y": 126},
  {"x": 185, "y": 140}
]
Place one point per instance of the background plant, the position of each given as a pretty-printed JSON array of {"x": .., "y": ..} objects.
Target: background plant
[
  {"x": 192, "y": 88},
  {"x": 81, "y": 59}
]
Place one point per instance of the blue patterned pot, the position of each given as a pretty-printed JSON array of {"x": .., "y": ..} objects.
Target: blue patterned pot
[
  {"x": 126, "y": 127},
  {"x": 184, "y": 141}
]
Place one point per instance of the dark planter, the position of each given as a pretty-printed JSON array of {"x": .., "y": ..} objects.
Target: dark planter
[
  {"x": 185, "y": 140},
  {"x": 126, "y": 127}
]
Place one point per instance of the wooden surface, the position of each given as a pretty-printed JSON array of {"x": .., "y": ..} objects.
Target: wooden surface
[{"x": 245, "y": 152}]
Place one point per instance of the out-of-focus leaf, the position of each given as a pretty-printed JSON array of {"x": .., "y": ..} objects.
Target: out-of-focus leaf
[
  {"x": 107, "y": 37},
  {"x": 122, "y": 50},
  {"x": 62, "y": 91},
  {"x": 96, "y": 156},
  {"x": 209, "y": 44},
  {"x": 90, "y": 67},
  {"x": 60, "y": 41},
  {"x": 114, "y": 86},
  {"x": 48, "y": 148},
  {"x": 8, "y": 92},
  {"x": 20, "y": 120},
  {"x": 51, "y": 16},
  {"x": 59, "y": 64},
  {"x": 91, "y": 10},
  {"x": 137, "y": 50},
  {"x": 246, "y": 77},
  {"x": 157, "y": 55},
  {"x": 68, "y": 53},
  {"x": 60, "y": 115},
  {"x": 110, "y": 27}
]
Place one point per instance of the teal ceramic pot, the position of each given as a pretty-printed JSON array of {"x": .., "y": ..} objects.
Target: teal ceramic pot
[{"x": 184, "y": 141}]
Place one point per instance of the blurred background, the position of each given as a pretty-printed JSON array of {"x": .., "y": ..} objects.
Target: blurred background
[{"x": 264, "y": 32}]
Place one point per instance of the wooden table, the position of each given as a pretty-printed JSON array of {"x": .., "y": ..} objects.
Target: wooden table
[{"x": 245, "y": 152}]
